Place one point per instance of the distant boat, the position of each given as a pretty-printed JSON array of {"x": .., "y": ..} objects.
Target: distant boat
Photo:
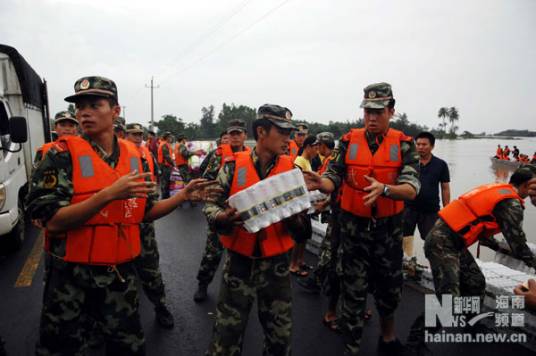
[{"x": 505, "y": 163}]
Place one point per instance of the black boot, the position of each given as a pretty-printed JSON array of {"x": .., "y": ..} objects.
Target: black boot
[
  {"x": 164, "y": 317},
  {"x": 201, "y": 293}
]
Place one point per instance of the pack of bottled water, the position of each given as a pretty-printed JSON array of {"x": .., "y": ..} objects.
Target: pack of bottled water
[{"x": 271, "y": 200}]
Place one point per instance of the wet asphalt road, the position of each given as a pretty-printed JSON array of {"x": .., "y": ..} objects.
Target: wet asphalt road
[{"x": 181, "y": 238}]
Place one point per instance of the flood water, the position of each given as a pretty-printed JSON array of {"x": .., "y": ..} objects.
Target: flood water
[{"x": 469, "y": 164}]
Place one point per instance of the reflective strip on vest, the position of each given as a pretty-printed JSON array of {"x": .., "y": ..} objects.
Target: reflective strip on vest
[
  {"x": 86, "y": 166},
  {"x": 241, "y": 176},
  {"x": 134, "y": 164},
  {"x": 353, "y": 151},
  {"x": 393, "y": 153}
]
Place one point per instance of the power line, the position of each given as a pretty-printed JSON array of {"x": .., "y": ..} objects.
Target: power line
[
  {"x": 201, "y": 38},
  {"x": 229, "y": 40},
  {"x": 152, "y": 87}
]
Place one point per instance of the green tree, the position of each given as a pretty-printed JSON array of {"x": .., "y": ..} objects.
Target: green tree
[
  {"x": 454, "y": 116},
  {"x": 443, "y": 114},
  {"x": 170, "y": 123},
  {"x": 71, "y": 109},
  {"x": 207, "y": 127},
  {"x": 231, "y": 112}
]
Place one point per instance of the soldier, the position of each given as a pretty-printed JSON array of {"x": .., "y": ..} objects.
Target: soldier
[
  {"x": 237, "y": 132},
  {"x": 475, "y": 216},
  {"x": 64, "y": 124},
  {"x": 222, "y": 140},
  {"x": 120, "y": 130},
  {"x": 256, "y": 265},
  {"x": 90, "y": 194},
  {"x": 182, "y": 155},
  {"x": 147, "y": 265},
  {"x": 295, "y": 145},
  {"x": 376, "y": 168},
  {"x": 166, "y": 163}
]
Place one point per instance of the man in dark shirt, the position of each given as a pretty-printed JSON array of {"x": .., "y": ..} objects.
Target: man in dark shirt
[{"x": 434, "y": 172}]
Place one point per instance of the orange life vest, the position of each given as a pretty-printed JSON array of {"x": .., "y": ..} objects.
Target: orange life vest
[
  {"x": 225, "y": 151},
  {"x": 471, "y": 215},
  {"x": 112, "y": 236},
  {"x": 161, "y": 153},
  {"x": 293, "y": 149},
  {"x": 45, "y": 148},
  {"x": 179, "y": 159},
  {"x": 499, "y": 152},
  {"x": 384, "y": 166},
  {"x": 325, "y": 164},
  {"x": 148, "y": 156},
  {"x": 273, "y": 240}
]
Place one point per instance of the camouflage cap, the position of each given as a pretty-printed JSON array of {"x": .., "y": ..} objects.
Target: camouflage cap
[
  {"x": 377, "y": 96},
  {"x": 181, "y": 137},
  {"x": 303, "y": 129},
  {"x": 278, "y": 115},
  {"x": 166, "y": 134},
  {"x": 119, "y": 127},
  {"x": 236, "y": 125},
  {"x": 527, "y": 168},
  {"x": 134, "y": 128},
  {"x": 326, "y": 137},
  {"x": 93, "y": 86},
  {"x": 64, "y": 116}
]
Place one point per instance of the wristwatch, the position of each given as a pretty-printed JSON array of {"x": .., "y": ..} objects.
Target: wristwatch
[{"x": 386, "y": 190}]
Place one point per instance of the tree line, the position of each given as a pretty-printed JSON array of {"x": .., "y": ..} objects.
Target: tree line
[{"x": 210, "y": 125}]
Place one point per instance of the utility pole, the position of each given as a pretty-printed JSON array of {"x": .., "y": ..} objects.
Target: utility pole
[
  {"x": 124, "y": 108},
  {"x": 152, "y": 87}
]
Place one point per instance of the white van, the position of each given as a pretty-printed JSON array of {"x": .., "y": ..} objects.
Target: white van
[{"x": 24, "y": 127}]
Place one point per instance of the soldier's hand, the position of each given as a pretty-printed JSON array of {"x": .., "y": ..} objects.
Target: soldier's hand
[
  {"x": 532, "y": 191},
  {"x": 228, "y": 216},
  {"x": 375, "y": 190},
  {"x": 529, "y": 293},
  {"x": 202, "y": 190},
  {"x": 313, "y": 180},
  {"x": 132, "y": 185}
]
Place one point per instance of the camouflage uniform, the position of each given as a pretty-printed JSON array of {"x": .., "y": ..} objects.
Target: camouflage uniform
[
  {"x": 147, "y": 264},
  {"x": 166, "y": 172},
  {"x": 184, "y": 169},
  {"x": 370, "y": 251},
  {"x": 245, "y": 278},
  {"x": 213, "y": 248},
  {"x": 74, "y": 292},
  {"x": 454, "y": 268}
]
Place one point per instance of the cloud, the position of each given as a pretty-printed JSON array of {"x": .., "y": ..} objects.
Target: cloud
[{"x": 312, "y": 56}]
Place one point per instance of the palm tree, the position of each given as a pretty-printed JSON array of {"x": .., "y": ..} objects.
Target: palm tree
[
  {"x": 453, "y": 116},
  {"x": 443, "y": 114}
]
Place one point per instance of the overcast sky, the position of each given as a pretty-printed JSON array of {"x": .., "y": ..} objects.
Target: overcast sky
[{"x": 310, "y": 55}]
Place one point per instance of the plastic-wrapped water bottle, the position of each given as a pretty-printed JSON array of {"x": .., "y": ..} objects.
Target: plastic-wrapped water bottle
[
  {"x": 278, "y": 185},
  {"x": 243, "y": 201},
  {"x": 263, "y": 219},
  {"x": 265, "y": 190},
  {"x": 300, "y": 189}
]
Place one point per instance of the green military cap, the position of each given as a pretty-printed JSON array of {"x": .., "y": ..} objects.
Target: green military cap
[
  {"x": 326, "y": 137},
  {"x": 93, "y": 86},
  {"x": 181, "y": 137},
  {"x": 166, "y": 134},
  {"x": 65, "y": 116},
  {"x": 134, "y": 128},
  {"x": 236, "y": 125},
  {"x": 527, "y": 168},
  {"x": 302, "y": 128},
  {"x": 377, "y": 96},
  {"x": 119, "y": 127},
  {"x": 278, "y": 115}
]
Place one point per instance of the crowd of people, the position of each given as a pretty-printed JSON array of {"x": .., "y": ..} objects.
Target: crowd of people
[
  {"x": 94, "y": 192},
  {"x": 504, "y": 154}
]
